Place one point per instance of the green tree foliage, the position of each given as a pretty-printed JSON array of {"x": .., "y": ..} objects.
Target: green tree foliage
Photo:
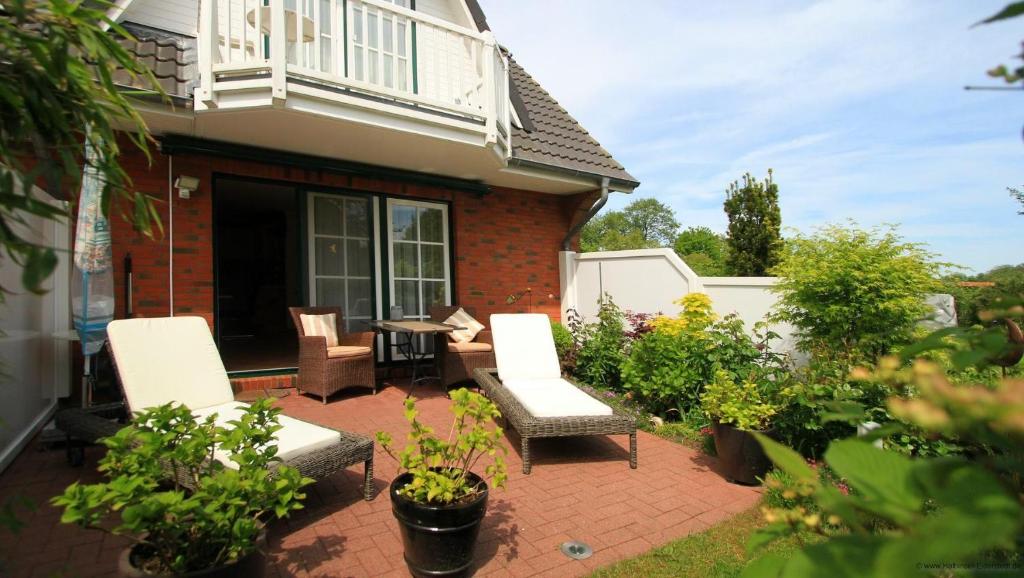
[
  {"x": 906, "y": 516},
  {"x": 57, "y": 59},
  {"x": 1019, "y": 195},
  {"x": 755, "y": 220},
  {"x": 1011, "y": 75},
  {"x": 703, "y": 250},
  {"x": 854, "y": 291},
  {"x": 643, "y": 224},
  {"x": 970, "y": 301}
]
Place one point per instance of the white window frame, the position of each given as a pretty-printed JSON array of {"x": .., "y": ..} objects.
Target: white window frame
[
  {"x": 374, "y": 239},
  {"x": 446, "y": 245}
]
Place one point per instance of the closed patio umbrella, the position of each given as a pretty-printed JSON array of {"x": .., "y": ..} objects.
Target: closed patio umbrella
[{"x": 92, "y": 284}]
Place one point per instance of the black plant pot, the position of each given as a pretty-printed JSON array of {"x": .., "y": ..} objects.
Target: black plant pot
[
  {"x": 741, "y": 458},
  {"x": 253, "y": 565},
  {"x": 438, "y": 540}
]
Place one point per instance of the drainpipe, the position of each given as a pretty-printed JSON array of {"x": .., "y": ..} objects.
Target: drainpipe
[{"x": 567, "y": 241}]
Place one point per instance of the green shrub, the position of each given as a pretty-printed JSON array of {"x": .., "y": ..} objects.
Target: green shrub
[
  {"x": 600, "y": 346},
  {"x": 440, "y": 466},
  {"x": 669, "y": 367},
  {"x": 564, "y": 345},
  {"x": 180, "y": 529},
  {"x": 747, "y": 405},
  {"x": 853, "y": 291}
]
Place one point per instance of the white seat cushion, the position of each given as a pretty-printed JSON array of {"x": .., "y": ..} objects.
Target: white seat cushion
[
  {"x": 524, "y": 347},
  {"x": 348, "y": 351},
  {"x": 554, "y": 398},
  {"x": 469, "y": 347},
  {"x": 294, "y": 439},
  {"x": 168, "y": 359},
  {"x": 325, "y": 326},
  {"x": 462, "y": 319}
]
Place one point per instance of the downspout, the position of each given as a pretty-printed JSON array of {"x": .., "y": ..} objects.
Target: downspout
[{"x": 567, "y": 241}]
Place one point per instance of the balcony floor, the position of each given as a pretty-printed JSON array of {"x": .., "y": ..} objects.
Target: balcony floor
[{"x": 580, "y": 488}]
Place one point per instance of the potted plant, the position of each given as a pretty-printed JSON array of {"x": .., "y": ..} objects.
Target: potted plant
[
  {"x": 186, "y": 512},
  {"x": 437, "y": 498},
  {"x": 736, "y": 409}
]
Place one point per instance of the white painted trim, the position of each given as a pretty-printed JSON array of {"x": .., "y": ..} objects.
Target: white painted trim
[
  {"x": 114, "y": 13},
  {"x": 417, "y": 16},
  {"x": 27, "y": 434},
  {"x": 170, "y": 233},
  {"x": 379, "y": 277}
]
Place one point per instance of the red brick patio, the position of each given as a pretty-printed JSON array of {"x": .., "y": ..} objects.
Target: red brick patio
[{"x": 579, "y": 489}]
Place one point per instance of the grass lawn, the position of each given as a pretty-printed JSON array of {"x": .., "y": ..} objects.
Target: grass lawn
[{"x": 718, "y": 552}]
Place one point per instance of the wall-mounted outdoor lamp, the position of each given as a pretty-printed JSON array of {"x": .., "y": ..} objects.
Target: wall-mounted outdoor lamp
[{"x": 186, "y": 186}]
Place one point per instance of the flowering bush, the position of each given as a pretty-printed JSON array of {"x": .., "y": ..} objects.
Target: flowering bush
[
  {"x": 599, "y": 346},
  {"x": 668, "y": 368}
]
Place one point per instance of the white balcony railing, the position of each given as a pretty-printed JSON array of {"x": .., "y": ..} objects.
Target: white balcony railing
[{"x": 370, "y": 48}]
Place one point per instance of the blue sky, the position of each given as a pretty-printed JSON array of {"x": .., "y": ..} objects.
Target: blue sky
[{"x": 857, "y": 105}]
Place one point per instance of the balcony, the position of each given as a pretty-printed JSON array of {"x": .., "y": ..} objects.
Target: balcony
[{"x": 364, "y": 61}]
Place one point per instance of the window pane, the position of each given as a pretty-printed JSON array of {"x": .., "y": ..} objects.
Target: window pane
[
  {"x": 388, "y": 71},
  {"x": 403, "y": 223},
  {"x": 330, "y": 292},
  {"x": 357, "y": 25},
  {"x": 387, "y": 36},
  {"x": 434, "y": 292},
  {"x": 325, "y": 54},
  {"x": 325, "y": 16},
  {"x": 360, "y": 300},
  {"x": 357, "y": 218},
  {"x": 371, "y": 29},
  {"x": 431, "y": 226},
  {"x": 327, "y": 216},
  {"x": 433, "y": 261},
  {"x": 402, "y": 73},
  {"x": 329, "y": 257},
  {"x": 358, "y": 257},
  {"x": 407, "y": 294},
  {"x": 406, "y": 260},
  {"x": 400, "y": 33},
  {"x": 357, "y": 61},
  {"x": 371, "y": 65}
]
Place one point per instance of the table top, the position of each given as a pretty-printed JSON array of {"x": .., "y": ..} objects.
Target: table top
[{"x": 412, "y": 326}]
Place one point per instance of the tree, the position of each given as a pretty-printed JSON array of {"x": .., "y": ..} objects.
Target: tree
[
  {"x": 1019, "y": 195},
  {"x": 653, "y": 220},
  {"x": 643, "y": 224},
  {"x": 703, "y": 250},
  {"x": 754, "y": 239},
  {"x": 854, "y": 291},
  {"x": 970, "y": 301},
  {"x": 57, "y": 59}
]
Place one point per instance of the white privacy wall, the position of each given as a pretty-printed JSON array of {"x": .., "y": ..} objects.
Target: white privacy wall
[
  {"x": 650, "y": 280},
  {"x": 34, "y": 367}
]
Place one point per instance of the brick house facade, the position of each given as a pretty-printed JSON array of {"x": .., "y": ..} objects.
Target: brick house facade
[{"x": 503, "y": 242}]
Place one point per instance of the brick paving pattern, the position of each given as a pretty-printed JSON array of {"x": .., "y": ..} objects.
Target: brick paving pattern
[{"x": 580, "y": 489}]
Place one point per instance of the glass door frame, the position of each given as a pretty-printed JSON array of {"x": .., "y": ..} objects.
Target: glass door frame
[{"x": 447, "y": 248}]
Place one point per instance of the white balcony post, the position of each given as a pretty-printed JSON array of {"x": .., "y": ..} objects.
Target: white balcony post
[
  {"x": 278, "y": 52},
  {"x": 207, "y": 51},
  {"x": 489, "y": 97},
  {"x": 506, "y": 105}
]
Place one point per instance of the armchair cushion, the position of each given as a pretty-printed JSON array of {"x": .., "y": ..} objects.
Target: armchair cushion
[
  {"x": 348, "y": 351},
  {"x": 554, "y": 398},
  {"x": 462, "y": 319},
  {"x": 321, "y": 326},
  {"x": 468, "y": 347}
]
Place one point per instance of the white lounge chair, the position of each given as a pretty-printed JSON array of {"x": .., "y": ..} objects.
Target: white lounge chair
[
  {"x": 174, "y": 359},
  {"x": 533, "y": 396}
]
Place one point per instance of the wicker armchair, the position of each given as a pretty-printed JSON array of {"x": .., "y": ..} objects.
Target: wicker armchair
[
  {"x": 323, "y": 375},
  {"x": 457, "y": 366}
]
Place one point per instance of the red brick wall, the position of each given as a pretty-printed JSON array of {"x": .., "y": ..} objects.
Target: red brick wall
[{"x": 505, "y": 241}]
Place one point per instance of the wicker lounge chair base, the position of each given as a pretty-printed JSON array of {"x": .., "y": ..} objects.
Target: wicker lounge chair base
[
  {"x": 529, "y": 427},
  {"x": 89, "y": 425}
]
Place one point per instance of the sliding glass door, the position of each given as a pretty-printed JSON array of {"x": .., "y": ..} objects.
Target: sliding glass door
[
  {"x": 418, "y": 253},
  {"x": 342, "y": 257}
]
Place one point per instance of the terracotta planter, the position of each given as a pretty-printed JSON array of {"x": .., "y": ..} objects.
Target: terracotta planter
[
  {"x": 740, "y": 456},
  {"x": 438, "y": 540},
  {"x": 253, "y": 565}
]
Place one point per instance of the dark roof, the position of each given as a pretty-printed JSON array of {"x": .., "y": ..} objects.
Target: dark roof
[
  {"x": 551, "y": 136},
  {"x": 170, "y": 56}
]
